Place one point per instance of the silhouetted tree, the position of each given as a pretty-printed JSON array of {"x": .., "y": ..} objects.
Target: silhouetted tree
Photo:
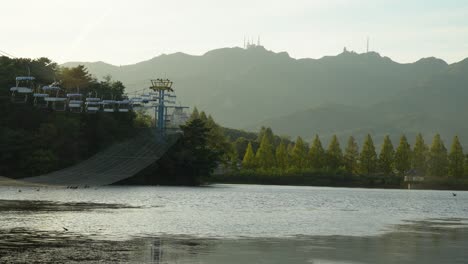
[
  {"x": 386, "y": 156},
  {"x": 351, "y": 156},
  {"x": 456, "y": 159}
]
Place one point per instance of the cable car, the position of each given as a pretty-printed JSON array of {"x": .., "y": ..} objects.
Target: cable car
[
  {"x": 55, "y": 100},
  {"x": 108, "y": 106},
  {"x": 24, "y": 87},
  {"x": 92, "y": 105},
  {"x": 123, "y": 106},
  {"x": 39, "y": 98},
  {"x": 75, "y": 102}
]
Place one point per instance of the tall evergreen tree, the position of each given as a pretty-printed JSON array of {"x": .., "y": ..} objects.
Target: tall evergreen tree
[
  {"x": 386, "y": 157},
  {"x": 195, "y": 114},
  {"x": 249, "y": 158},
  {"x": 203, "y": 116},
  {"x": 351, "y": 156},
  {"x": 299, "y": 154},
  {"x": 282, "y": 159},
  {"x": 403, "y": 156},
  {"x": 465, "y": 174},
  {"x": 456, "y": 159},
  {"x": 420, "y": 155},
  {"x": 334, "y": 154},
  {"x": 368, "y": 157},
  {"x": 317, "y": 154},
  {"x": 265, "y": 156},
  {"x": 438, "y": 161}
]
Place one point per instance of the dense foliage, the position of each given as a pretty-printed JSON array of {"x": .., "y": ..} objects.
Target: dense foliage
[
  {"x": 300, "y": 164},
  {"x": 35, "y": 141}
]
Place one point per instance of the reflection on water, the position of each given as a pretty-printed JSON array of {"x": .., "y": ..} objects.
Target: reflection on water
[
  {"x": 233, "y": 224},
  {"x": 413, "y": 242}
]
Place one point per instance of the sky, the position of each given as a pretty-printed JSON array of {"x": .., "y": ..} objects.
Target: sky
[{"x": 124, "y": 32}]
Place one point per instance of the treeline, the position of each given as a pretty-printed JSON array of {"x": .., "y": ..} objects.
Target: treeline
[
  {"x": 271, "y": 154},
  {"x": 35, "y": 141}
]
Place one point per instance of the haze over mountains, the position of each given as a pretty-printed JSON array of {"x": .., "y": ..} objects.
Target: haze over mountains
[{"x": 347, "y": 94}]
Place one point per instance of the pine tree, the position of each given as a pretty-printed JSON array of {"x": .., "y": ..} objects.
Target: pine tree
[
  {"x": 419, "y": 157},
  {"x": 282, "y": 159},
  {"x": 203, "y": 116},
  {"x": 265, "y": 157},
  {"x": 386, "y": 157},
  {"x": 438, "y": 161},
  {"x": 334, "y": 154},
  {"x": 299, "y": 154},
  {"x": 368, "y": 157},
  {"x": 249, "y": 158},
  {"x": 465, "y": 174},
  {"x": 456, "y": 159},
  {"x": 351, "y": 156},
  {"x": 403, "y": 156},
  {"x": 194, "y": 114},
  {"x": 317, "y": 154}
]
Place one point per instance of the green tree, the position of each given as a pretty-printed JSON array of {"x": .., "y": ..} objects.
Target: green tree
[
  {"x": 317, "y": 154},
  {"x": 282, "y": 159},
  {"x": 334, "y": 154},
  {"x": 351, "y": 156},
  {"x": 466, "y": 167},
  {"x": 386, "y": 156},
  {"x": 368, "y": 157},
  {"x": 419, "y": 157},
  {"x": 265, "y": 156},
  {"x": 195, "y": 114},
  {"x": 403, "y": 156},
  {"x": 248, "y": 162},
  {"x": 299, "y": 154},
  {"x": 438, "y": 160},
  {"x": 456, "y": 159}
]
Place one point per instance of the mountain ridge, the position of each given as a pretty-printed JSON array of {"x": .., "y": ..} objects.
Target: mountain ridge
[{"x": 243, "y": 87}]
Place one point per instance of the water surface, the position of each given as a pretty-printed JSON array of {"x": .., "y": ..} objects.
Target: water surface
[{"x": 226, "y": 223}]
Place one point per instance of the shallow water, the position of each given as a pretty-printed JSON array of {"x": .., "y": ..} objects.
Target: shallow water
[{"x": 233, "y": 223}]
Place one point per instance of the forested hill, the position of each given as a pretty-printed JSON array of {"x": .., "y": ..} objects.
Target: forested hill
[{"x": 246, "y": 88}]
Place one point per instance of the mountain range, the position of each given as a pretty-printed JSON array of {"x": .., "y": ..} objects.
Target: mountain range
[{"x": 346, "y": 94}]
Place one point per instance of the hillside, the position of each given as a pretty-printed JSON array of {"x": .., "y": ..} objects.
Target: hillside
[{"x": 247, "y": 88}]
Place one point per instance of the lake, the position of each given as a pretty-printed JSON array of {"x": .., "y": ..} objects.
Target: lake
[{"x": 233, "y": 224}]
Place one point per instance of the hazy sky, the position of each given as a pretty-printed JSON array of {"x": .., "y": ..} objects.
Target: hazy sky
[{"x": 124, "y": 32}]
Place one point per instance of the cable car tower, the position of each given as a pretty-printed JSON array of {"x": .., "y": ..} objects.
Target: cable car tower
[{"x": 163, "y": 90}]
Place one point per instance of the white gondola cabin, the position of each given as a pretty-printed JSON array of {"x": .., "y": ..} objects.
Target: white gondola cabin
[
  {"x": 24, "y": 87},
  {"x": 75, "y": 102},
  {"x": 55, "y": 100},
  {"x": 92, "y": 104}
]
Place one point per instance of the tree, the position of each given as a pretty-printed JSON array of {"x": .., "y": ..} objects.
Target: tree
[
  {"x": 194, "y": 114},
  {"x": 265, "y": 156},
  {"x": 282, "y": 159},
  {"x": 456, "y": 159},
  {"x": 248, "y": 162},
  {"x": 386, "y": 156},
  {"x": 438, "y": 161},
  {"x": 334, "y": 155},
  {"x": 191, "y": 158},
  {"x": 299, "y": 154},
  {"x": 403, "y": 156},
  {"x": 368, "y": 157},
  {"x": 419, "y": 158},
  {"x": 465, "y": 174},
  {"x": 317, "y": 154},
  {"x": 351, "y": 156}
]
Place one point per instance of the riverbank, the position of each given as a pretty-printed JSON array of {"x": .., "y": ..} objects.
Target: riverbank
[{"x": 339, "y": 180}]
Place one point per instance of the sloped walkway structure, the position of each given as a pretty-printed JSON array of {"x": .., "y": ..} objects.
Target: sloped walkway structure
[{"x": 118, "y": 162}]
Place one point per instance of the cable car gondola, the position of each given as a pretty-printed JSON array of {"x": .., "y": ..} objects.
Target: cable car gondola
[
  {"x": 75, "y": 102},
  {"x": 24, "y": 87},
  {"x": 55, "y": 101}
]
